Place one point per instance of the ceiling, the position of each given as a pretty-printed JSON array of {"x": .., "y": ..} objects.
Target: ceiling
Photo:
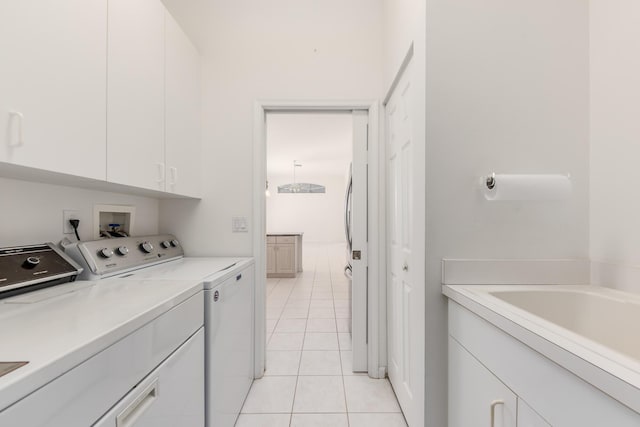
[
  {"x": 192, "y": 15},
  {"x": 321, "y": 142}
]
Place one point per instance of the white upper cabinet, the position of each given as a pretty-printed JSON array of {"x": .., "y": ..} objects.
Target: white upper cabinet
[
  {"x": 53, "y": 85},
  {"x": 135, "y": 94},
  {"x": 102, "y": 89},
  {"x": 182, "y": 112}
]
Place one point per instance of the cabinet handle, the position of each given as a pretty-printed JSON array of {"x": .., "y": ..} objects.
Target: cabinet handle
[
  {"x": 20, "y": 118},
  {"x": 238, "y": 277},
  {"x": 160, "y": 173},
  {"x": 131, "y": 413},
  {"x": 493, "y": 411},
  {"x": 173, "y": 173}
]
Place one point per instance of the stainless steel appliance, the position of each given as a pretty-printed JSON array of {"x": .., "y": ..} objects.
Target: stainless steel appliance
[
  {"x": 109, "y": 257},
  {"x": 348, "y": 269},
  {"x": 29, "y": 268},
  {"x": 347, "y": 223}
]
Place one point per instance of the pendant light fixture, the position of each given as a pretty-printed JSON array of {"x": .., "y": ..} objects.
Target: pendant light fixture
[{"x": 300, "y": 187}]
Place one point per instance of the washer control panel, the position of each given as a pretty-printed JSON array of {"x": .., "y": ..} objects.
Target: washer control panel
[{"x": 107, "y": 257}]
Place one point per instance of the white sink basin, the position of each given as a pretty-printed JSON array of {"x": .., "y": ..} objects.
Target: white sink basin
[
  {"x": 604, "y": 317},
  {"x": 591, "y": 331}
]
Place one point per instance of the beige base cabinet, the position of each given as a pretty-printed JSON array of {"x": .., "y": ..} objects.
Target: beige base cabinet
[
  {"x": 281, "y": 256},
  {"x": 492, "y": 372}
]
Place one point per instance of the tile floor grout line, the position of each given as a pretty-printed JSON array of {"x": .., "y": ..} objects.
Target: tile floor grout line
[
  {"x": 317, "y": 284},
  {"x": 344, "y": 387},
  {"x": 295, "y": 390}
]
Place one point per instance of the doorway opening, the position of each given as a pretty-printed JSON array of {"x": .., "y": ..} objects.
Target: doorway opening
[
  {"x": 308, "y": 267},
  {"x": 285, "y": 219}
]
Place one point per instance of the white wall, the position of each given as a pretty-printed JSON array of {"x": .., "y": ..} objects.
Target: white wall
[
  {"x": 32, "y": 212},
  {"x": 506, "y": 91},
  {"x": 256, "y": 50},
  {"x": 319, "y": 216},
  {"x": 615, "y": 143},
  {"x": 404, "y": 24}
]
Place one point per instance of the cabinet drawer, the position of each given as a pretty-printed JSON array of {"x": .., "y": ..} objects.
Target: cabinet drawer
[
  {"x": 171, "y": 395},
  {"x": 286, "y": 239},
  {"x": 271, "y": 239}
]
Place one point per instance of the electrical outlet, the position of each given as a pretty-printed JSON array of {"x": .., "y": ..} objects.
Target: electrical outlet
[
  {"x": 239, "y": 224},
  {"x": 66, "y": 216}
]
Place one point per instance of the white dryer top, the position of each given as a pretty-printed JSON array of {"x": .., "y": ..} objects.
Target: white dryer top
[{"x": 208, "y": 270}]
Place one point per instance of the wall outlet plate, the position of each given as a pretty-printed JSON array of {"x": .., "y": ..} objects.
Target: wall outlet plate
[
  {"x": 68, "y": 214},
  {"x": 240, "y": 224}
]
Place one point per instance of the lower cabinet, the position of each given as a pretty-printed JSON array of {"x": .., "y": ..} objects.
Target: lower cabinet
[
  {"x": 281, "y": 256},
  {"x": 476, "y": 396},
  {"x": 527, "y": 417},
  {"x": 497, "y": 381},
  {"x": 171, "y": 395}
]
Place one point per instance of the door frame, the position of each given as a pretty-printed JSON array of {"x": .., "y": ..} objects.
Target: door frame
[{"x": 376, "y": 300}]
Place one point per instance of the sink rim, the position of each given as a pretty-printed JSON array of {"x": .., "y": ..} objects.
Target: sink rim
[{"x": 604, "y": 357}]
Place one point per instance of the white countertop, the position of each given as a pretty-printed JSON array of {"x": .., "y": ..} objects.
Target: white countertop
[
  {"x": 57, "y": 328},
  {"x": 612, "y": 372},
  {"x": 293, "y": 233}
]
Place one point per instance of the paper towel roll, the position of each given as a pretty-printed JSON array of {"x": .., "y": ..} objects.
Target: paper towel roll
[{"x": 528, "y": 187}]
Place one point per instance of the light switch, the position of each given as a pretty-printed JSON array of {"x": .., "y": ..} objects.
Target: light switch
[{"x": 240, "y": 224}]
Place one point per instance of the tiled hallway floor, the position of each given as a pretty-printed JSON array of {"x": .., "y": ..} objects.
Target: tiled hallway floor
[{"x": 308, "y": 380}]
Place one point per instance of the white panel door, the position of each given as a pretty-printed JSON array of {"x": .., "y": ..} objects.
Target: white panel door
[
  {"x": 135, "y": 94},
  {"x": 476, "y": 396},
  {"x": 359, "y": 281},
  {"x": 183, "y": 112},
  {"x": 406, "y": 256},
  {"x": 53, "y": 79}
]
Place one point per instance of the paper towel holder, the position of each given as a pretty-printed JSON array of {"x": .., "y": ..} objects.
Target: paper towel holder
[{"x": 491, "y": 181}]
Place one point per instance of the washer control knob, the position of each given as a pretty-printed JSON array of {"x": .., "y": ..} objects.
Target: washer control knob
[
  {"x": 105, "y": 253},
  {"x": 175, "y": 243},
  {"x": 31, "y": 262},
  {"x": 122, "y": 250},
  {"x": 165, "y": 244},
  {"x": 146, "y": 247}
]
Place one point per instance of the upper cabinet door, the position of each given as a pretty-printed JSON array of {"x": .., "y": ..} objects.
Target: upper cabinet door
[
  {"x": 183, "y": 112},
  {"x": 53, "y": 85},
  {"x": 135, "y": 94}
]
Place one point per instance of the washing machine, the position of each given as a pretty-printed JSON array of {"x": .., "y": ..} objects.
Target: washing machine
[{"x": 228, "y": 284}]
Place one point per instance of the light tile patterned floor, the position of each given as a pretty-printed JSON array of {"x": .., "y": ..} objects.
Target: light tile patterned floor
[{"x": 308, "y": 381}]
